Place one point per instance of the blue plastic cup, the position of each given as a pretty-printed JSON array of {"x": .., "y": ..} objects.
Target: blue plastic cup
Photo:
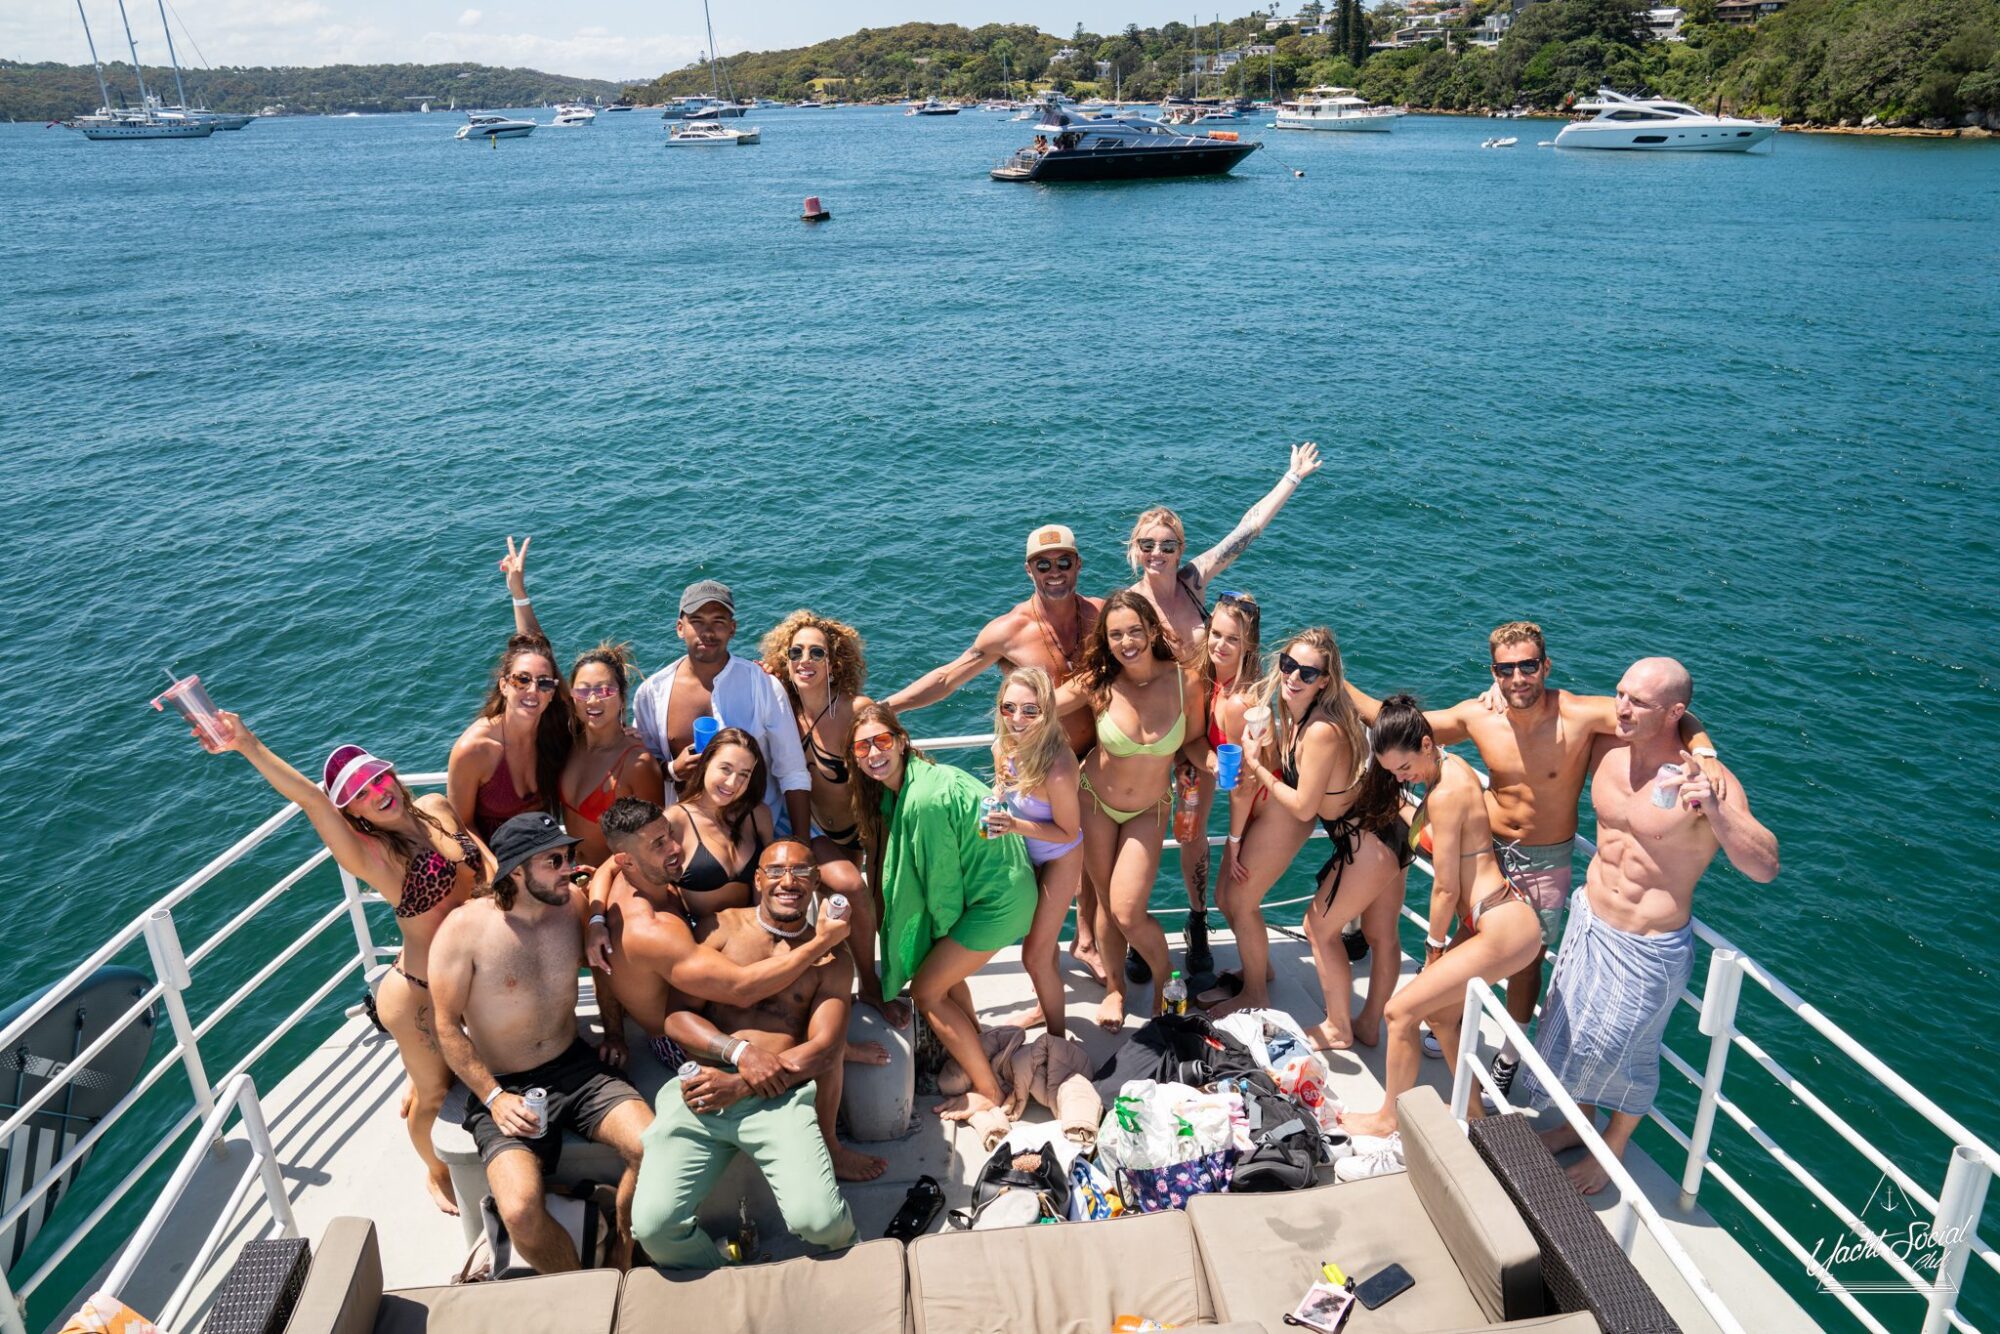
[
  {"x": 1228, "y": 765},
  {"x": 705, "y": 729}
]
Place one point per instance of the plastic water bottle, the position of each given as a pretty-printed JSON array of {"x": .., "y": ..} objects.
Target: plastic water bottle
[
  {"x": 537, "y": 1103},
  {"x": 1176, "y": 993},
  {"x": 1187, "y": 786}
]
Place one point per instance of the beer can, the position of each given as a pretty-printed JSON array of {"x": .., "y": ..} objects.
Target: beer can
[
  {"x": 537, "y": 1103},
  {"x": 836, "y": 908},
  {"x": 688, "y": 1070}
]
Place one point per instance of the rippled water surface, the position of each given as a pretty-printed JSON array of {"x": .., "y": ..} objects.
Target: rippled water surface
[{"x": 273, "y": 401}]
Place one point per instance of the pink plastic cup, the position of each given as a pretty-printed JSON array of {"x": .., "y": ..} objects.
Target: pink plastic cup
[{"x": 192, "y": 703}]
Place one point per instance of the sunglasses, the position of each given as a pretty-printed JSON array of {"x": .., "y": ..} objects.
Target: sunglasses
[
  {"x": 1291, "y": 666},
  {"x": 588, "y": 693},
  {"x": 1064, "y": 563},
  {"x": 879, "y": 744},
  {"x": 1525, "y": 667},
  {"x": 1165, "y": 546},
  {"x": 788, "y": 872},
  {"x": 380, "y": 783},
  {"x": 529, "y": 681},
  {"x": 560, "y": 858},
  {"x": 806, "y": 652},
  {"x": 1021, "y": 710}
]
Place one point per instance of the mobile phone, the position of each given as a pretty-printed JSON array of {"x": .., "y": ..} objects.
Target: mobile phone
[{"x": 1383, "y": 1284}]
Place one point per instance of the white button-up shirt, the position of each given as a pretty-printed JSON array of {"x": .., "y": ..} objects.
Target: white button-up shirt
[{"x": 745, "y": 696}]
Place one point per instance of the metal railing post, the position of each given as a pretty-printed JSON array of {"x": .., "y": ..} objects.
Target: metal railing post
[
  {"x": 1959, "y": 1206},
  {"x": 170, "y": 966},
  {"x": 1462, "y": 1082},
  {"x": 357, "y": 912},
  {"x": 267, "y": 1160},
  {"x": 1718, "y": 1021}
]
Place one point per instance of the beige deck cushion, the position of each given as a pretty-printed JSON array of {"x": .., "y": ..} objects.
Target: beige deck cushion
[
  {"x": 344, "y": 1284},
  {"x": 582, "y": 1303},
  {"x": 1261, "y": 1252},
  {"x": 1057, "y": 1278},
  {"x": 1481, "y": 1227},
  {"x": 859, "y": 1289}
]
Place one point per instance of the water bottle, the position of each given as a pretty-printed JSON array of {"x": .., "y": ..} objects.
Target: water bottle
[
  {"x": 1176, "y": 993},
  {"x": 1187, "y": 789},
  {"x": 537, "y": 1103}
]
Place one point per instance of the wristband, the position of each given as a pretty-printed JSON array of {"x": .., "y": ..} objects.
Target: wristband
[
  {"x": 1236, "y": 838},
  {"x": 488, "y": 1099},
  {"x": 597, "y": 919},
  {"x": 1293, "y": 477},
  {"x": 1436, "y": 944},
  {"x": 742, "y": 1045},
  {"x": 522, "y": 602},
  {"x": 1704, "y": 752}
]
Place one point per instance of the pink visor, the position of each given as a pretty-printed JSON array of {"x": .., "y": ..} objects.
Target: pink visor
[{"x": 349, "y": 771}]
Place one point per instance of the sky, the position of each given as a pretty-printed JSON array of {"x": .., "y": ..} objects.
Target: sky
[{"x": 605, "y": 39}]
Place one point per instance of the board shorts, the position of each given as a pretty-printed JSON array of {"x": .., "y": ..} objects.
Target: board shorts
[{"x": 582, "y": 1092}]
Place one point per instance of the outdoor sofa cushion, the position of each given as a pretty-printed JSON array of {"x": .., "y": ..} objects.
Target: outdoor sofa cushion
[{"x": 860, "y": 1289}]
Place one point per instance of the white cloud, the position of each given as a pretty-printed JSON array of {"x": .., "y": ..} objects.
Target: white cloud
[{"x": 469, "y": 19}]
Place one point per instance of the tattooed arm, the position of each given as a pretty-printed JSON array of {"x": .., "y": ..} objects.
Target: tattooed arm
[{"x": 1305, "y": 461}]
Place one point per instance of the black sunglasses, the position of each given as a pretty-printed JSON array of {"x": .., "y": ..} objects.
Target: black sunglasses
[
  {"x": 1525, "y": 667},
  {"x": 1291, "y": 666},
  {"x": 817, "y": 652},
  {"x": 1064, "y": 563}
]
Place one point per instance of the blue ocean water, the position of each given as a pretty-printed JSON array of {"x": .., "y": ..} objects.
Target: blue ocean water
[{"x": 274, "y": 400}]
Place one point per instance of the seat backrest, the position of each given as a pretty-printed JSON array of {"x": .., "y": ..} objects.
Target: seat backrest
[
  {"x": 857, "y": 1291},
  {"x": 343, "y": 1288},
  {"x": 1494, "y": 1251}
]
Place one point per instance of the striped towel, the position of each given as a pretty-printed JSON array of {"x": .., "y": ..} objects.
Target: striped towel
[{"x": 1607, "y": 1010}]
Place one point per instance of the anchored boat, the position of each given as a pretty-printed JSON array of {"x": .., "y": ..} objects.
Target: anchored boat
[{"x": 1070, "y": 146}]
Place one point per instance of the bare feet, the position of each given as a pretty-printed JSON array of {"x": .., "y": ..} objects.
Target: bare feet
[
  {"x": 1378, "y": 1124},
  {"x": 1111, "y": 1012},
  {"x": 965, "y": 1106},
  {"x": 897, "y": 1012},
  {"x": 867, "y": 1053},
  {"x": 1368, "y": 1029},
  {"x": 1091, "y": 960},
  {"x": 854, "y": 1165},
  {"x": 438, "y": 1181},
  {"x": 1023, "y": 1019},
  {"x": 1588, "y": 1175},
  {"x": 1325, "y": 1037},
  {"x": 1562, "y": 1137}
]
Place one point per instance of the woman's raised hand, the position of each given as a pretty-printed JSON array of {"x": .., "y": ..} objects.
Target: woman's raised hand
[
  {"x": 234, "y": 734},
  {"x": 1305, "y": 460},
  {"x": 515, "y": 566}
]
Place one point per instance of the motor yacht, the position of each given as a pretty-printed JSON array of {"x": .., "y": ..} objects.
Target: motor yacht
[
  {"x": 1325, "y": 108},
  {"x": 930, "y": 106},
  {"x": 1658, "y": 125},
  {"x": 129, "y": 124},
  {"x": 1070, "y": 146},
  {"x": 709, "y": 108},
  {"x": 573, "y": 114},
  {"x": 489, "y": 125},
  {"x": 709, "y": 134}
]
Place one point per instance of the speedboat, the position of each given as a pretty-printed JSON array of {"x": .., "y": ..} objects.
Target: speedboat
[
  {"x": 1324, "y": 108},
  {"x": 930, "y": 106},
  {"x": 1658, "y": 125},
  {"x": 709, "y": 133},
  {"x": 1072, "y": 147},
  {"x": 573, "y": 113},
  {"x": 487, "y": 125}
]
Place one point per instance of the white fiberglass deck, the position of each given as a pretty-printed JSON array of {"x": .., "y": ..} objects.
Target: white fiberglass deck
[{"x": 343, "y": 1150}]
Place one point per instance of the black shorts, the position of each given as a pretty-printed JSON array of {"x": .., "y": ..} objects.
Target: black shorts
[{"x": 582, "y": 1092}]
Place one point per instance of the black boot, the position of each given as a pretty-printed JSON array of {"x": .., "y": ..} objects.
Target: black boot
[
  {"x": 1136, "y": 970},
  {"x": 1200, "y": 963}
]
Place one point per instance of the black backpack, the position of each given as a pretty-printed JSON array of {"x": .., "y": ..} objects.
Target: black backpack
[
  {"x": 1176, "y": 1048},
  {"x": 1287, "y": 1139}
]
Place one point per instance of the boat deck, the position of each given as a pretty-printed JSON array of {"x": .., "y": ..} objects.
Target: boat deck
[{"x": 343, "y": 1148}]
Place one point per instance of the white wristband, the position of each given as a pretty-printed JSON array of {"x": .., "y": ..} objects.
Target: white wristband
[
  {"x": 1236, "y": 838},
  {"x": 1436, "y": 944},
  {"x": 742, "y": 1045},
  {"x": 1293, "y": 477},
  {"x": 522, "y": 602},
  {"x": 497, "y": 1091},
  {"x": 597, "y": 919}
]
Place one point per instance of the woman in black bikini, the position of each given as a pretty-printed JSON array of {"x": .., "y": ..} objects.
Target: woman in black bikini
[
  {"x": 820, "y": 663},
  {"x": 418, "y": 855},
  {"x": 727, "y": 825}
]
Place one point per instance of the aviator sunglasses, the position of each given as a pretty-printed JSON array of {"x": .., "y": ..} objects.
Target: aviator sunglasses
[
  {"x": 879, "y": 744},
  {"x": 1525, "y": 667},
  {"x": 1012, "y": 710},
  {"x": 1291, "y": 666},
  {"x": 802, "y": 652}
]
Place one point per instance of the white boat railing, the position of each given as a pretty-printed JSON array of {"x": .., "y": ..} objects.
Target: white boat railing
[{"x": 1955, "y": 1207}]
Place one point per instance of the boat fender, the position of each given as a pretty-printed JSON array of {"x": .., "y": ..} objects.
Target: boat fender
[{"x": 1231, "y": 135}]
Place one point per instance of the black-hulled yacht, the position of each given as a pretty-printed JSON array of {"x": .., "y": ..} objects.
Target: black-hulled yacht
[{"x": 1071, "y": 147}]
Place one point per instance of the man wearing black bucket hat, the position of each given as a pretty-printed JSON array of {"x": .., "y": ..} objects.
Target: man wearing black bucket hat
[{"x": 503, "y": 979}]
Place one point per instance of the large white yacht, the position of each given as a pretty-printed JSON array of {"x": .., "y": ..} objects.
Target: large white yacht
[
  {"x": 709, "y": 133},
  {"x": 1325, "y": 108},
  {"x": 1657, "y": 125},
  {"x": 488, "y": 125},
  {"x": 573, "y": 115}
]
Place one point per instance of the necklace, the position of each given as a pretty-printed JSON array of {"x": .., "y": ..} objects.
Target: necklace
[
  {"x": 1049, "y": 636},
  {"x": 776, "y": 931}
]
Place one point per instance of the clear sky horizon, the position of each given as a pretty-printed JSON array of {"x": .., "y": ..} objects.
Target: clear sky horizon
[{"x": 607, "y": 39}]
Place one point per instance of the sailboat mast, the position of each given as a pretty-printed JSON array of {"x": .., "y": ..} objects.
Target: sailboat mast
[
  {"x": 133, "y": 47},
  {"x": 714, "y": 82},
  {"x": 173, "y": 59},
  {"x": 95, "y": 64}
]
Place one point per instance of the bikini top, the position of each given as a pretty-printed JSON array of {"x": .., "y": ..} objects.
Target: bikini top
[
  {"x": 1216, "y": 736},
  {"x": 431, "y": 878},
  {"x": 830, "y": 765},
  {"x": 497, "y": 800},
  {"x": 594, "y": 805},
  {"x": 705, "y": 874},
  {"x": 1116, "y": 743}
]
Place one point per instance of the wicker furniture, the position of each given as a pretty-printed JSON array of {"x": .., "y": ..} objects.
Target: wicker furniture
[{"x": 258, "y": 1295}]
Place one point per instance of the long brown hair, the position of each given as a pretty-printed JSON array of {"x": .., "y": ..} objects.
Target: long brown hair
[
  {"x": 555, "y": 733},
  {"x": 1331, "y": 704},
  {"x": 1100, "y": 665},
  {"x": 865, "y": 793},
  {"x": 407, "y": 847},
  {"x": 731, "y": 816}
]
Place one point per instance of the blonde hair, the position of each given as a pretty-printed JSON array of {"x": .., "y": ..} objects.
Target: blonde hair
[
  {"x": 1517, "y": 632},
  {"x": 1332, "y": 704},
  {"x": 847, "y": 664},
  {"x": 1158, "y": 516},
  {"x": 1035, "y": 751}
]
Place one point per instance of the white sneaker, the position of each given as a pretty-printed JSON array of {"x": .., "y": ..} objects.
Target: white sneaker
[
  {"x": 1380, "y": 1162},
  {"x": 1431, "y": 1047}
]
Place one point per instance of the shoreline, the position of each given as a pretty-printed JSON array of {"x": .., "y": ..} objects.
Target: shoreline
[{"x": 1799, "y": 127}]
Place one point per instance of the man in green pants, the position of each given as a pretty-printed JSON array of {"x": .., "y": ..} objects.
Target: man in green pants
[{"x": 764, "y": 1104}]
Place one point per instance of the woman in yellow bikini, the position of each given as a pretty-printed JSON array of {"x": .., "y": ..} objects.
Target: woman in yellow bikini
[{"x": 1150, "y": 708}]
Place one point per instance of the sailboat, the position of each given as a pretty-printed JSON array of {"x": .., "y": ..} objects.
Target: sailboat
[
  {"x": 181, "y": 110},
  {"x": 695, "y": 110},
  {"x": 144, "y": 122}
]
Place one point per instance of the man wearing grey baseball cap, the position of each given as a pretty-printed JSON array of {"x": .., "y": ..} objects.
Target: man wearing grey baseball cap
[{"x": 712, "y": 682}]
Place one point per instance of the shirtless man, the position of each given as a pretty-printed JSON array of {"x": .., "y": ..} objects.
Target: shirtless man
[
  {"x": 638, "y": 916},
  {"x": 503, "y": 979},
  {"x": 704, "y": 1119},
  {"x": 1535, "y": 742},
  {"x": 1630, "y": 948},
  {"x": 1046, "y": 631}
]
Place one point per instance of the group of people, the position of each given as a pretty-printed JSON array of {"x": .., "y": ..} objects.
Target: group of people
[{"x": 675, "y": 835}]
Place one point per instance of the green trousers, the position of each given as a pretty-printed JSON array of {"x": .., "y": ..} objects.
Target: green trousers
[{"x": 686, "y": 1152}]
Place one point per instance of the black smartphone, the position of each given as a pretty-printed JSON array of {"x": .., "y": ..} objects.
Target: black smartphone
[{"x": 1383, "y": 1284}]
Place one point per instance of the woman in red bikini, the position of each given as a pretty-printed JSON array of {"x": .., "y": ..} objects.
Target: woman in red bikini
[
  {"x": 511, "y": 759},
  {"x": 418, "y": 855},
  {"x": 609, "y": 760}
]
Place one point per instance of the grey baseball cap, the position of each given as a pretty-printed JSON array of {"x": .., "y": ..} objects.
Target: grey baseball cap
[{"x": 704, "y": 591}]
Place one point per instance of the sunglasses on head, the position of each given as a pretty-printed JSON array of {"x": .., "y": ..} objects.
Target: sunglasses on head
[
  {"x": 1064, "y": 563},
  {"x": 1166, "y": 546},
  {"x": 879, "y": 744},
  {"x": 803, "y": 652},
  {"x": 1525, "y": 667},
  {"x": 1011, "y": 710},
  {"x": 1291, "y": 666},
  {"x": 529, "y": 681}
]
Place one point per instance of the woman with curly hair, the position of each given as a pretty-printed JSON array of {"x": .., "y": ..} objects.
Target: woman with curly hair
[
  {"x": 822, "y": 665},
  {"x": 1150, "y": 709}
]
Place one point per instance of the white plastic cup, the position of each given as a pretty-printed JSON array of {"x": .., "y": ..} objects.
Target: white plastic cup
[
  {"x": 1256, "y": 722},
  {"x": 192, "y": 703}
]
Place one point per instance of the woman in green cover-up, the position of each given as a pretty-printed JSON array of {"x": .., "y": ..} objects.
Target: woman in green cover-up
[{"x": 949, "y": 898}]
